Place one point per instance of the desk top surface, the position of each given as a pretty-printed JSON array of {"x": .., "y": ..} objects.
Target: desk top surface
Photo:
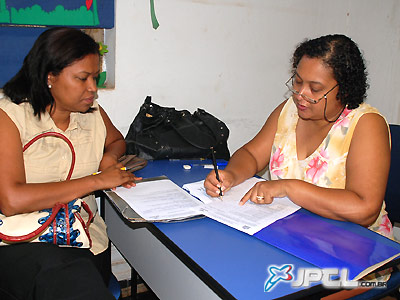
[{"x": 231, "y": 261}]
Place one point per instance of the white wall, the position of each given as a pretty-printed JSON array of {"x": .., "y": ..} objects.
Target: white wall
[{"x": 231, "y": 57}]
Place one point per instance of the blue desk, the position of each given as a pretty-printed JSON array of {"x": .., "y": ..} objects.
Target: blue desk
[{"x": 198, "y": 259}]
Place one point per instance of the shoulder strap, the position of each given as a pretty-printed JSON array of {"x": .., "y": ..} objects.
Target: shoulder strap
[
  {"x": 192, "y": 133},
  {"x": 61, "y": 136}
]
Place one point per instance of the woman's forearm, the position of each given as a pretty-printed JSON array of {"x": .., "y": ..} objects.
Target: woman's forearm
[
  {"x": 24, "y": 197},
  {"x": 242, "y": 165},
  {"x": 112, "y": 153},
  {"x": 338, "y": 204}
]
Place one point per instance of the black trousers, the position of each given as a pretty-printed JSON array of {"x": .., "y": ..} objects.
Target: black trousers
[{"x": 41, "y": 271}]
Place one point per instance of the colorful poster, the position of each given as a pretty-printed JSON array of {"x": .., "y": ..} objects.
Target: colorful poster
[{"x": 80, "y": 13}]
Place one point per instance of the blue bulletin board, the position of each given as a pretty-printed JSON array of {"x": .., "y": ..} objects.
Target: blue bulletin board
[{"x": 22, "y": 21}]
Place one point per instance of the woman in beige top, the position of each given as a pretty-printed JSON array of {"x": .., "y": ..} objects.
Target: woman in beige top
[{"x": 55, "y": 90}]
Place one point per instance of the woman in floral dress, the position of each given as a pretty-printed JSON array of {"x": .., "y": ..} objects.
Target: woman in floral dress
[{"x": 326, "y": 149}]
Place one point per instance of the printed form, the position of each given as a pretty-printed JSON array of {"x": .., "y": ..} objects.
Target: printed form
[
  {"x": 159, "y": 200},
  {"x": 162, "y": 200},
  {"x": 249, "y": 218}
]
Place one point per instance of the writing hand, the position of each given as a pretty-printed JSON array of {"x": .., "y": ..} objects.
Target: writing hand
[{"x": 212, "y": 185}]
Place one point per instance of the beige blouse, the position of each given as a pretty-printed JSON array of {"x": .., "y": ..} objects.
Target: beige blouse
[{"x": 49, "y": 158}]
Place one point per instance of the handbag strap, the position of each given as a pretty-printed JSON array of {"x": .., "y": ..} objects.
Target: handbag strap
[
  {"x": 61, "y": 136},
  {"x": 197, "y": 137},
  {"x": 58, "y": 206},
  {"x": 32, "y": 234},
  {"x": 193, "y": 135},
  {"x": 216, "y": 126}
]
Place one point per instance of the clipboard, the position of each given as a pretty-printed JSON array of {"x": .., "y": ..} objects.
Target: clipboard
[{"x": 132, "y": 216}]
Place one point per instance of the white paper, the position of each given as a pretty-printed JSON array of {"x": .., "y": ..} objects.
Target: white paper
[
  {"x": 249, "y": 218},
  {"x": 160, "y": 200}
]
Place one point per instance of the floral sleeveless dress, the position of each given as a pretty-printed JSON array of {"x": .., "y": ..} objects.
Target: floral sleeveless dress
[{"x": 326, "y": 167}]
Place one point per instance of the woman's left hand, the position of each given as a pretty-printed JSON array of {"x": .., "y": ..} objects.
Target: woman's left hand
[{"x": 264, "y": 192}]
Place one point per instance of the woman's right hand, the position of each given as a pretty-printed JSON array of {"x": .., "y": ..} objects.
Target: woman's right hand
[
  {"x": 113, "y": 177},
  {"x": 212, "y": 185}
]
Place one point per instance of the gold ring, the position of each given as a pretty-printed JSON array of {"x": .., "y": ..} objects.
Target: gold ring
[{"x": 259, "y": 198}]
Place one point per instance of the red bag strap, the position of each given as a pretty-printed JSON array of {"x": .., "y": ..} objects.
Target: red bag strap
[
  {"x": 61, "y": 136},
  {"x": 58, "y": 206},
  {"x": 21, "y": 238}
]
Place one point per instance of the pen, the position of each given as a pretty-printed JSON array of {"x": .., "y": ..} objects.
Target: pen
[
  {"x": 205, "y": 166},
  {"x": 96, "y": 173},
  {"x": 216, "y": 170}
]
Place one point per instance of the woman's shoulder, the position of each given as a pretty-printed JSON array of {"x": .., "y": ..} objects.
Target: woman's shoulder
[
  {"x": 368, "y": 122},
  {"x": 13, "y": 109},
  {"x": 351, "y": 117},
  {"x": 7, "y": 103},
  {"x": 370, "y": 118},
  {"x": 365, "y": 112},
  {"x": 364, "y": 109},
  {"x": 4, "y": 100}
]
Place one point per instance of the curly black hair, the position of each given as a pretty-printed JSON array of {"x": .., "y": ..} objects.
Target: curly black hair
[{"x": 343, "y": 56}]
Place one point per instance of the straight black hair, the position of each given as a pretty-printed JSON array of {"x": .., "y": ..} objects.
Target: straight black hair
[{"x": 54, "y": 49}]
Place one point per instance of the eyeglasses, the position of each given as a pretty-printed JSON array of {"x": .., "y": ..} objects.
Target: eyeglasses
[{"x": 290, "y": 85}]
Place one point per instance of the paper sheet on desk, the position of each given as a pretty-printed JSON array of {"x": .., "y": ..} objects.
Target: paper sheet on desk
[
  {"x": 249, "y": 218},
  {"x": 159, "y": 200}
]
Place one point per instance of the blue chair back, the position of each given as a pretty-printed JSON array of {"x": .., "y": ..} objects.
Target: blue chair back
[{"x": 392, "y": 197}]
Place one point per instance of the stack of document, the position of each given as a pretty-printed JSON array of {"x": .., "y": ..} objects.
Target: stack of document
[
  {"x": 249, "y": 218},
  {"x": 161, "y": 200},
  {"x": 156, "y": 200}
]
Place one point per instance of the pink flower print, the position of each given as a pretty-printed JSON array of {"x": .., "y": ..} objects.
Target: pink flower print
[
  {"x": 343, "y": 121},
  {"x": 317, "y": 166},
  {"x": 385, "y": 227},
  {"x": 276, "y": 163}
]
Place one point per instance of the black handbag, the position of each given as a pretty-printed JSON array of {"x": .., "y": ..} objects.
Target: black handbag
[{"x": 163, "y": 132}]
